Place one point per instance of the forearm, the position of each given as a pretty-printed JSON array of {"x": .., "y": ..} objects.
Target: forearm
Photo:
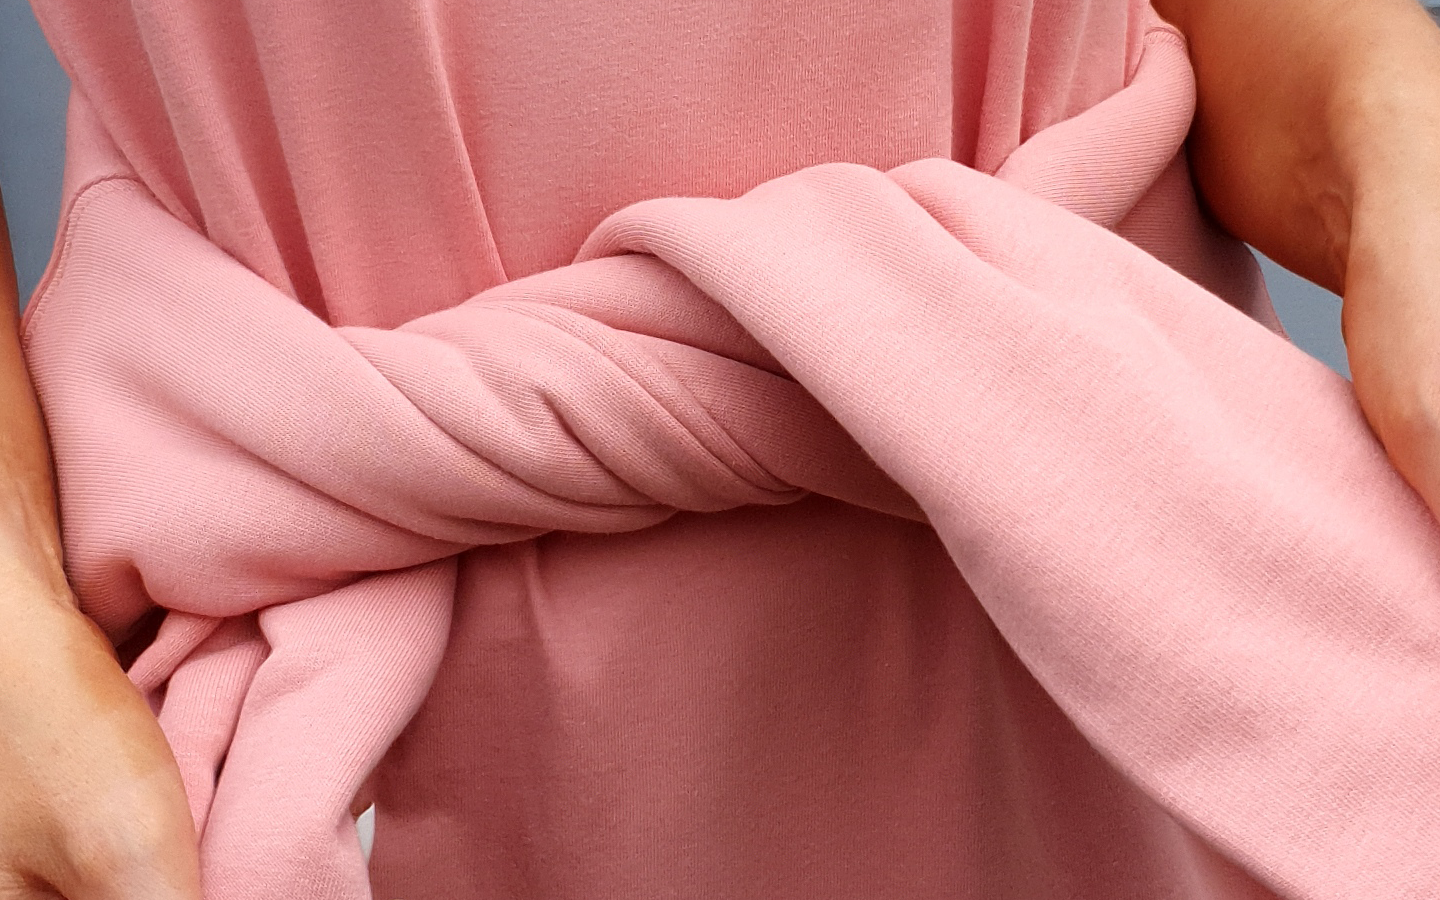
[
  {"x": 1315, "y": 118},
  {"x": 30, "y": 565}
]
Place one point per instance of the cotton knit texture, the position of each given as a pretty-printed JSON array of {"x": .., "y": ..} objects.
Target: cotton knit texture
[{"x": 660, "y": 449}]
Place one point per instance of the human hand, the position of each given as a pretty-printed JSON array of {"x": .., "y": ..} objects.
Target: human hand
[{"x": 91, "y": 802}]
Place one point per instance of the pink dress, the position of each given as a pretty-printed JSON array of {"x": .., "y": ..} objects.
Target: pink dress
[{"x": 764, "y": 693}]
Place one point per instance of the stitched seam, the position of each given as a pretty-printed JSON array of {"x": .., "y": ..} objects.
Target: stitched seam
[
  {"x": 55, "y": 270},
  {"x": 1160, "y": 32}
]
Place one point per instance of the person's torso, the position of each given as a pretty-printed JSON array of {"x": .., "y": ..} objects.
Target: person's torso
[{"x": 378, "y": 161}]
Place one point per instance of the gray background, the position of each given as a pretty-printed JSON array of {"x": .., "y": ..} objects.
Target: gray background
[{"x": 32, "y": 138}]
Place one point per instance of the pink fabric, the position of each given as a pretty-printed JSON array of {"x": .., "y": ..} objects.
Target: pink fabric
[{"x": 882, "y": 526}]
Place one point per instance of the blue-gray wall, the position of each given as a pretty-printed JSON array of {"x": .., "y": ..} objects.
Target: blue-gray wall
[
  {"x": 32, "y": 138},
  {"x": 1310, "y": 314},
  {"x": 32, "y": 112}
]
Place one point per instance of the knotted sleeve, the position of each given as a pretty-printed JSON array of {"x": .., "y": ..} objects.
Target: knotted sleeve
[{"x": 1179, "y": 521}]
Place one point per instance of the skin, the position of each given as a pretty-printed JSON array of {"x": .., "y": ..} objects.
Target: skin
[
  {"x": 94, "y": 808},
  {"x": 1316, "y": 140}
]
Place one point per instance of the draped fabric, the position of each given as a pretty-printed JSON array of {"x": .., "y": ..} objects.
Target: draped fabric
[{"x": 1102, "y": 588}]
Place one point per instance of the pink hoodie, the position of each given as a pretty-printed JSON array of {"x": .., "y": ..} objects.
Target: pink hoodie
[{"x": 889, "y": 524}]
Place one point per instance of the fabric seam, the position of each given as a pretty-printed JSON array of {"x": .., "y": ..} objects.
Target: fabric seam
[{"x": 55, "y": 269}]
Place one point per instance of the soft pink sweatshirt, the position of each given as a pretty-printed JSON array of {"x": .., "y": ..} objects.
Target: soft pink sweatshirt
[{"x": 885, "y": 525}]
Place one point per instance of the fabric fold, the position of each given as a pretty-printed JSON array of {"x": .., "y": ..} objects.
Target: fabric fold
[{"x": 1227, "y": 589}]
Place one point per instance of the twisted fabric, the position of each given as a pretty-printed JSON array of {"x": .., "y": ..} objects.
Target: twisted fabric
[{"x": 1179, "y": 521}]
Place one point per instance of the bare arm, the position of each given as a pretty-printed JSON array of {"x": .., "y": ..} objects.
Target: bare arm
[
  {"x": 93, "y": 806},
  {"x": 1311, "y": 113},
  {"x": 1317, "y": 139},
  {"x": 29, "y": 533}
]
